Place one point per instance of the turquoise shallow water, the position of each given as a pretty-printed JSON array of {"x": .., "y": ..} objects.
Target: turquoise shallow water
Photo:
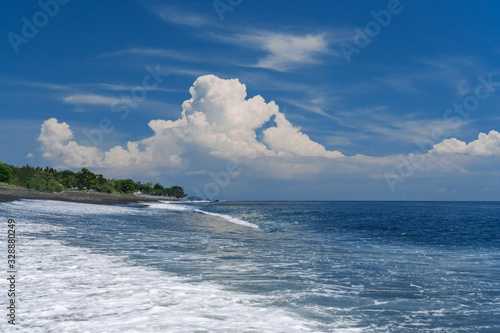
[{"x": 258, "y": 266}]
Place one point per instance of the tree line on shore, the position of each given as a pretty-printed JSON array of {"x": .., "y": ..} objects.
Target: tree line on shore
[{"x": 50, "y": 180}]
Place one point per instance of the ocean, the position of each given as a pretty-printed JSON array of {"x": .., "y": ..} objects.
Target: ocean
[{"x": 254, "y": 267}]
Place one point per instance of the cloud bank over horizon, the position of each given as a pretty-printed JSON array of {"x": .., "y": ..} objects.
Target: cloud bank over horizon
[
  {"x": 221, "y": 123},
  {"x": 218, "y": 118}
]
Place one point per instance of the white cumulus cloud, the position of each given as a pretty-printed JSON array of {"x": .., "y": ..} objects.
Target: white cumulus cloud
[
  {"x": 56, "y": 145},
  {"x": 218, "y": 119},
  {"x": 287, "y": 139},
  {"x": 485, "y": 145}
]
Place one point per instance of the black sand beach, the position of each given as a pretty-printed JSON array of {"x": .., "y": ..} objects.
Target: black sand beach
[{"x": 15, "y": 193}]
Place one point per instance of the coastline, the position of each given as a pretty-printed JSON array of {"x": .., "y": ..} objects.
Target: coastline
[{"x": 17, "y": 193}]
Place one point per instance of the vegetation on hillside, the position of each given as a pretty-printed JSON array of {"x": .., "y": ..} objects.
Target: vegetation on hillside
[{"x": 51, "y": 180}]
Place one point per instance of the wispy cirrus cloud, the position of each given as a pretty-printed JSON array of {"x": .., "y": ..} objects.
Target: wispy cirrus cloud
[
  {"x": 152, "y": 52},
  {"x": 283, "y": 51},
  {"x": 91, "y": 99},
  {"x": 388, "y": 126},
  {"x": 179, "y": 16},
  {"x": 120, "y": 87},
  {"x": 457, "y": 72},
  {"x": 36, "y": 84},
  {"x": 286, "y": 51},
  {"x": 308, "y": 105},
  {"x": 80, "y": 86},
  {"x": 149, "y": 106},
  {"x": 100, "y": 94}
]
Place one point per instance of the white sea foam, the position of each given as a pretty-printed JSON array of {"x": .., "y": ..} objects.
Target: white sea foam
[
  {"x": 277, "y": 284},
  {"x": 230, "y": 219},
  {"x": 183, "y": 207},
  {"x": 69, "y": 289},
  {"x": 167, "y": 205},
  {"x": 68, "y": 208}
]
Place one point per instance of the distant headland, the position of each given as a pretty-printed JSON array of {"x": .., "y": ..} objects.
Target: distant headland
[{"x": 84, "y": 186}]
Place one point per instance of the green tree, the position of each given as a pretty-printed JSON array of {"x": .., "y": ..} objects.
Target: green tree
[
  {"x": 144, "y": 188},
  {"x": 111, "y": 186},
  {"x": 44, "y": 182},
  {"x": 176, "y": 191},
  {"x": 100, "y": 182},
  {"x": 86, "y": 178},
  {"x": 49, "y": 180},
  {"x": 23, "y": 174},
  {"x": 158, "y": 189},
  {"x": 67, "y": 178},
  {"x": 5, "y": 173},
  {"x": 127, "y": 186}
]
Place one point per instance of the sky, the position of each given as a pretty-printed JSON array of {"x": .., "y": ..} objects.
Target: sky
[{"x": 258, "y": 100}]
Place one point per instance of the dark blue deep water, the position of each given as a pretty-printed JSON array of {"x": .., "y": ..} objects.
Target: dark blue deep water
[{"x": 259, "y": 266}]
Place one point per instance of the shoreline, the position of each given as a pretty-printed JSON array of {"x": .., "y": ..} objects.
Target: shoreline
[{"x": 16, "y": 193}]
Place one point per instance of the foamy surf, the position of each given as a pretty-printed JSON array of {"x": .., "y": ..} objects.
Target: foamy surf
[
  {"x": 183, "y": 207},
  {"x": 230, "y": 219},
  {"x": 71, "y": 289},
  {"x": 84, "y": 268}
]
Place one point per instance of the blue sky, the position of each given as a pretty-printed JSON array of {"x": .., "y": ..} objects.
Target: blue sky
[{"x": 369, "y": 100}]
